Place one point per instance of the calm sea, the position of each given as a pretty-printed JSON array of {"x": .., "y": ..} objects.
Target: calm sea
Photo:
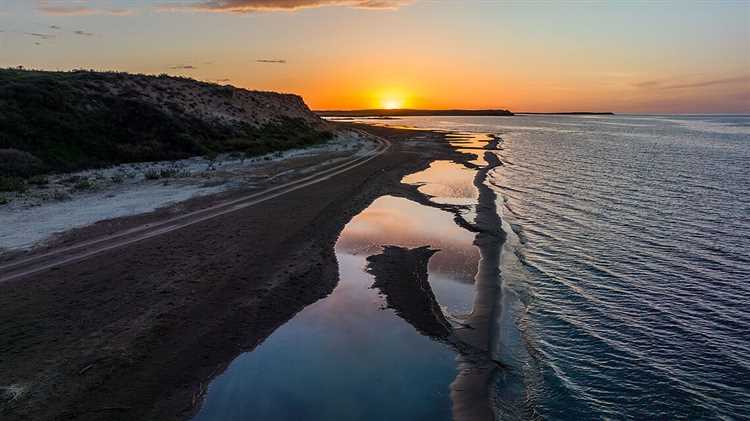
[{"x": 630, "y": 238}]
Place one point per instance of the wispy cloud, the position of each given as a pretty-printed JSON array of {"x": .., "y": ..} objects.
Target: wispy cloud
[
  {"x": 79, "y": 8},
  {"x": 253, "y": 6},
  {"x": 75, "y": 32},
  {"x": 270, "y": 61},
  {"x": 39, "y": 35},
  {"x": 183, "y": 67},
  {"x": 648, "y": 84},
  {"x": 672, "y": 84}
]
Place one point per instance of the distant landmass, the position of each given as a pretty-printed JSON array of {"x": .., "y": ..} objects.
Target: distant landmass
[
  {"x": 409, "y": 112},
  {"x": 573, "y": 113}
]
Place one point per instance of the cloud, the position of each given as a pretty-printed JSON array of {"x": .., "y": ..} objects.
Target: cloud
[
  {"x": 39, "y": 35},
  {"x": 81, "y": 8},
  {"x": 647, "y": 84},
  {"x": 667, "y": 84},
  {"x": 183, "y": 67},
  {"x": 76, "y": 32},
  {"x": 253, "y": 6},
  {"x": 270, "y": 61}
]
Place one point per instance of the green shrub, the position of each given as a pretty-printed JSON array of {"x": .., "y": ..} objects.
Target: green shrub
[
  {"x": 38, "y": 180},
  {"x": 84, "y": 184},
  {"x": 211, "y": 156},
  {"x": 152, "y": 174},
  {"x": 14, "y": 162},
  {"x": 167, "y": 172},
  {"x": 72, "y": 179},
  {"x": 60, "y": 195},
  {"x": 12, "y": 184},
  {"x": 4, "y": 200}
]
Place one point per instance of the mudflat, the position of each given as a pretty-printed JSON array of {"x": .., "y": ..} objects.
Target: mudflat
[{"x": 138, "y": 332}]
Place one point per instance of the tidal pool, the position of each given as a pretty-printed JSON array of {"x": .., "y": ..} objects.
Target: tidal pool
[
  {"x": 447, "y": 182},
  {"x": 347, "y": 356}
]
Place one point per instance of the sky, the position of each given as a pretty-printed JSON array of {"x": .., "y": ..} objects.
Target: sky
[{"x": 625, "y": 56}]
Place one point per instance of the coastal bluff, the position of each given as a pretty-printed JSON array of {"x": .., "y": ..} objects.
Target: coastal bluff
[{"x": 65, "y": 121}]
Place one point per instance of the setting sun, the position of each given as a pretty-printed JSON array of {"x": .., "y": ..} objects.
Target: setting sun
[{"x": 392, "y": 104}]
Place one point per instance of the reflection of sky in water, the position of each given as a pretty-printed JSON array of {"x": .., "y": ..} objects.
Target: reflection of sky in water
[
  {"x": 447, "y": 181},
  {"x": 468, "y": 140},
  {"x": 395, "y": 221},
  {"x": 634, "y": 235},
  {"x": 346, "y": 358},
  {"x": 471, "y": 143}
]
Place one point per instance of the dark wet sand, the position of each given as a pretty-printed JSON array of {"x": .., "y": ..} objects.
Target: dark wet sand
[{"x": 138, "y": 332}]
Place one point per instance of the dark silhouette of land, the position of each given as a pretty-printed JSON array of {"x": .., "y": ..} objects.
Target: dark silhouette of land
[
  {"x": 409, "y": 112},
  {"x": 572, "y": 113}
]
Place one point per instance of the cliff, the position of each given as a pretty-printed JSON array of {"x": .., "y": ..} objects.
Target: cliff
[{"x": 65, "y": 121}]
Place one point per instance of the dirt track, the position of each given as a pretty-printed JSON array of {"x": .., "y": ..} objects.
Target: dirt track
[{"x": 85, "y": 249}]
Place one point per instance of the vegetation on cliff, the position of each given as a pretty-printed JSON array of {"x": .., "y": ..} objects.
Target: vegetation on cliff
[{"x": 68, "y": 121}]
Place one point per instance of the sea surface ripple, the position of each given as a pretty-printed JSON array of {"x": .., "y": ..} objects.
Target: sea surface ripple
[{"x": 634, "y": 237}]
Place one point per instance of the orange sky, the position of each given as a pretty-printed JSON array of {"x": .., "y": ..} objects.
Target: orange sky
[{"x": 677, "y": 57}]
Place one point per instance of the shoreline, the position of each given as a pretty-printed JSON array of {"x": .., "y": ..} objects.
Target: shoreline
[
  {"x": 106, "y": 337},
  {"x": 116, "y": 362}
]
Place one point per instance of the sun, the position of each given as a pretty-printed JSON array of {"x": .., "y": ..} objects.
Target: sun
[{"x": 392, "y": 103}]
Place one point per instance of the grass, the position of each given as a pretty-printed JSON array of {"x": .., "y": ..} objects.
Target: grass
[
  {"x": 12, "y": 184},
  {"x": 152, "y": 174},
  {"x": 172, "y": 172},
  {"x": 69, "y": 121},
  {"x": 60, "y": 195},
  {"x": 84, "y": 184},
  {"x": 38, "y": 180}
]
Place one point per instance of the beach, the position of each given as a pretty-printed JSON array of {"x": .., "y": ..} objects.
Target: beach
[{"x": 139, "y": 332}]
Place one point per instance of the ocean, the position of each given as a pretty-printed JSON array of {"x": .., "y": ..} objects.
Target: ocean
[{"x": 630, "y": 243}]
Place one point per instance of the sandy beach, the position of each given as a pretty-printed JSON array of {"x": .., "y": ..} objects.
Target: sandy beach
[{"x": 138, "y": 332}]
